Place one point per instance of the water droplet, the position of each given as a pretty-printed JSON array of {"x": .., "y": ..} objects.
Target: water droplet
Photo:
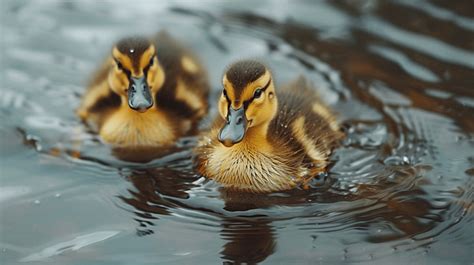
[
  {"x": 37, "y": 202},
  {"x": 57, "y": 195},
  {"x": 405, "y": 159}
]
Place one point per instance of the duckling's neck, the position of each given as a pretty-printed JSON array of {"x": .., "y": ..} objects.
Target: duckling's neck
[
  {"x": 131, "y": 128},
  {"x": 260, "y": 168},
  {"x": 257, "y": 136}
]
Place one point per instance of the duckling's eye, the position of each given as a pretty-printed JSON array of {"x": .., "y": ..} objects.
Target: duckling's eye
[
  {"x": 224, "y": 92},
  {"x": 257, "y": 93},
  {"x": 151, "y": 61},
  {"x": 119, "y": 65}
]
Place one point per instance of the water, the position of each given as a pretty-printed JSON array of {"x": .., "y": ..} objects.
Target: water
[{"x": 399, "y": 73}]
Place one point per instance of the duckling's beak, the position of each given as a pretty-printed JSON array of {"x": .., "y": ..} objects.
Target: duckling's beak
[
  {"x": 234, "y": 130},
  {"x": 139, "y": 96}
]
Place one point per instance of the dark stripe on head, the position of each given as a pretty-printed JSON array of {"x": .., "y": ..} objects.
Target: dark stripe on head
[
  {"x": 133, "y": 47},
  {"x": 247, "y": 102},
  {"x": 244, "y": 72}
]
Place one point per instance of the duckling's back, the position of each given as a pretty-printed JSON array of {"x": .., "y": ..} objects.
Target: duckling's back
[{"x": 305, "y": 124}]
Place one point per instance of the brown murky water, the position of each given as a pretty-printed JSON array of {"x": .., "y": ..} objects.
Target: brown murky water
[{"x": 399, "y": 73}]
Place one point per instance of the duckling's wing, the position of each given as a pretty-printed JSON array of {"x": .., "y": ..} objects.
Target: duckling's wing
[
  {"x": 101, "y": 73},
  {"x": 294, "y": 100},
  {"x": 304, "y": 122},
  {"x": 302, "y": 91},
  {"x": 98, "y": 98}
]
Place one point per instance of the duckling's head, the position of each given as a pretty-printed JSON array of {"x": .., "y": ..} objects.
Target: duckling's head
[
  {"x": 248, "y": 100},
  {"x": 136, "y": 74}
]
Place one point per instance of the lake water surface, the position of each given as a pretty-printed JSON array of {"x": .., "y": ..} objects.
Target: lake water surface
[{"x": 400, "y": 74}]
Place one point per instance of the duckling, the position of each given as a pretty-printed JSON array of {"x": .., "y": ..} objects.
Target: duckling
[
  {"x": 263, "y": 143},
  {"x": 148, "y": 92}
]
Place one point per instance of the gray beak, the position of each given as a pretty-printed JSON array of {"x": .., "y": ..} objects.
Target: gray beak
[
  {"x": 234, "y": 130},
  {"x": 139, "y": 96}
]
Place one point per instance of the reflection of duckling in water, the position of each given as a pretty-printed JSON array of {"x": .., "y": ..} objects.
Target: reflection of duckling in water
[
  {"x": 156, "y": 192},
  {"x": 262, "y": 143},
  {"x": 247, "y": 241},
  {"x": 147, "y": 93}
]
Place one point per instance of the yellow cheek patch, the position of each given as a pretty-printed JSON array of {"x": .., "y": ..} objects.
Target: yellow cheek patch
[
  {"x": 123, "y": 80},
  {"x": 189, "y": 65},
  {"x": 156, "y": 78}
]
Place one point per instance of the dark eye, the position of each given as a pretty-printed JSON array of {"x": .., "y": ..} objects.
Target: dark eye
[
  {"x": 224, "y": 92},
  {"x": 151, "y": 61},
  {"x": 119, "y": 65},
  {"x": 257, "y": 93}
]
